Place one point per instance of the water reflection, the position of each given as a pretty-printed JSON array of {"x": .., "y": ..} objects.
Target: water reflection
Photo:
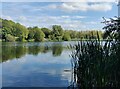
[
  {"x": 57, "y": 49},
  {"x": 11, "y": 51},
  {"x": 35, "y": 65},
  {"x": 35, "y": 50},
  {"x": 40, "y": 65}
]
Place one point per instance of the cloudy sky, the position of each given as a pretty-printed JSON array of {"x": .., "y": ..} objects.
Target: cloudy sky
[{"x": 70, "y": 15}]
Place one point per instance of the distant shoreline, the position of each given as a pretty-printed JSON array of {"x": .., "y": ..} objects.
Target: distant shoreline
[{"x": 64, "y": 41}]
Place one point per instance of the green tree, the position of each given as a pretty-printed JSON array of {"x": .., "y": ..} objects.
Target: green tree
[
  {"x": 21, "y": 31},
  {"x": 80, "y": 35},
  {"x": 14, "y": 29},
  {"x": 8, "y": 26},
  {"x": 0, "y": 28},
  {"x": 66, "y": 36},
  {"x": 31, "y": 33},
  {"x": 57, "y": 32},
  {"x": 4, "y": 32},
  {"x": 10, "y": 38},
  {"x": 73, "y": 34},
  {"x": 46, "y": 32},
  {"x": 39, "y": 35}
]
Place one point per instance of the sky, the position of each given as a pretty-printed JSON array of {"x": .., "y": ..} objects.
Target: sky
[{"x": 70, "y": 15}]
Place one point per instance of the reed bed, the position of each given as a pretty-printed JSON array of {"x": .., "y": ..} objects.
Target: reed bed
[{"x": 96, "y": 64}]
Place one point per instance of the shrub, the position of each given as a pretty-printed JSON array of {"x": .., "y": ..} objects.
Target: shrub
[
  {"x": 10, "y": 38},
  {"x": 66, "y": 37},
  {"x": 39, "y": 36}
]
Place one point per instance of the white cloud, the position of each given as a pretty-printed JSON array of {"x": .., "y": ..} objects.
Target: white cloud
[
  {"x": 59, "y": 0},
  {"x": 25, "y": 14},
  {"x": 101, "y": 7},
  {"x": 57, "y": 19},
  {"x": 74, "y": 22},
  {"x": 22, "y": 18},
  {"x": 92, "y": 23},
  {"x": 52, "y": 6},
  {"x": 66, "y": 21},
  {"x": 79, "y": 17},
  {"x": 7, "y": 17},
  {"x": 100, "y": 0},
  {"x": 75, "y": 6}
]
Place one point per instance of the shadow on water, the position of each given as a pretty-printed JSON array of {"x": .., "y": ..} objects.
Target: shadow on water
[
  {"x": 96, "y": 64},
  {"x": 18, "y": 50}
]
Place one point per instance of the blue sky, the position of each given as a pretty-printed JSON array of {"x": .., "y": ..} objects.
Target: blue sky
[{"x": 70, "y": 15}]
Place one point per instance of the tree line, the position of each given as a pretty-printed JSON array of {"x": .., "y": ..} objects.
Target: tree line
[{"x": 11, "y": 31}]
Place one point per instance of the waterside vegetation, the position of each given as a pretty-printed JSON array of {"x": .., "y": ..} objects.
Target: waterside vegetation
[
  {"x": 96, "y": 63},
  {"x": 11, "y": 31}
]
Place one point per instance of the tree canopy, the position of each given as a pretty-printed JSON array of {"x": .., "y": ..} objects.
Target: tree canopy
[
  {"x": 112, "y": 29},
  {"x": 12, "y": 31}
]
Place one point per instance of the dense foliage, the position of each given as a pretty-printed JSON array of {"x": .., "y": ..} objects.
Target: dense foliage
[
  {"x": 97, "y": 63},
  {"x": 11, "y": 31},
  {"x": 112, "y": 29}
]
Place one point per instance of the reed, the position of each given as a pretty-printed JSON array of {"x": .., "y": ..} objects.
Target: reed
[{"x": 96, "y": 64}]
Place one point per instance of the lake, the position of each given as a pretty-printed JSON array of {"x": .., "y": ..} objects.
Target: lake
[{"x": 45, "y": 64}]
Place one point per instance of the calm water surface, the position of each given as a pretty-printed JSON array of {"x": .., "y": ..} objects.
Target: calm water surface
[{"x": 36, "y": 64}]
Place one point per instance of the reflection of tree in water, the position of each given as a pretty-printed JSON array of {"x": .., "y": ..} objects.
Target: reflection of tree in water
[
  {"x": 20, "y": 51},
  {"x": 10, "y": 51},
  {"x": 34, "y": 50},
  {"x": 0, "y": 54},
  {"x": 95, "y": 65},
  {"x": 57, "y": 49},
  {"x": 37, "y": 49}
]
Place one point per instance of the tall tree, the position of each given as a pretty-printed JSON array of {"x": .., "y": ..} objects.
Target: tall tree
[
  {"x": 46, "y": 32},
  {"x": 39, "y": 35},
  {"x": 57, "y": 32},
  {"x": 66, "y": 36}
]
